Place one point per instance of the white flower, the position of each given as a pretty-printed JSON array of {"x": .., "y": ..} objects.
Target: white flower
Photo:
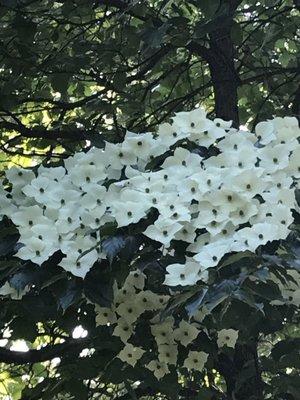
[
  {"x": 201, "y": 241},
  {"x": 265, "y": 132},
  {"x": 28, "y": 216},
  {"x": 190, "y": 122},
  {"x": 139, "y": 144},
  {"x": 54, "y": 173},
  {"x": 211, "y": 254},
  {"x": 163, "y": 332},
  {"x": 118, "y": 156},
  {"x": 46, "y": 232},
  {"x": 148, "y": 300},
  {"x": 167, "y": 353},
  {"x": 208, "y": 135},
  {"x": 61, "y": 195},
  {"x": 248, "y": 182},
  {"x": 78, "y": 245},
  {"x": 195, "y": 360},
  {"x": 126, "y": 293},
  {"x": 187, "y": 233},
  {"x": 68, "y": 218},
  {"x": 209, "y": 213},
  {"x": 227, "y": 337},
  {"x": 129, "y": 212},
  {"x": 293, "y": 167},
  {"x": 136, "y": 278},
  {"x": 39, "y": 188},
  {"x": 273, "y": 158},
  {"x": 130, "y": 354},
  {"x": 287, "y": 129},
  {"x": 85, "y": 176},
  {"x": 259, "y": 234},
  {"x": 79, "y": 265},
  {"x": 182, "y": 159},
  {"x": 19, "y": 176},
  {"x": 8, "y": 290},
  {"x": 94, "y": 197},
  {"x": 282, "y": 196},
  {"x": 224, "y": 124},
  {"x": 123, "y": 330},
  {"x": 244, "y": 212},
  {"x": 279, "y": 179},
  {"x": 35, "y": 250},
  {"x": 160, "y": 369},
  {"x": 245, "y": 158},
  {"x": 189, "y": 189},
  {"x": 182, "y": 274},
  {"x": 282, "y": 217},
  {"x": 235, "y": 141},
  {"x": 163, "y": 230},
  {"x": 6, "y": 205},
  {"x": 229, "y": 199},
  {"x": 130, "y": 311},
  {"x": 169, "y": 134},
  {"x": 105, "y": 316},
  {"x": 186, "y": 333},
  {"x": 93, "y": 218},
  {"x": 208, "y": 180}
]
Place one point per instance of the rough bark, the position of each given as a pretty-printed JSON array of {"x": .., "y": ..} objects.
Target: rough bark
[{"x": 224, "y": 77}]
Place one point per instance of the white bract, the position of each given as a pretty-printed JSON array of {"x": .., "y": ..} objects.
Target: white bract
[
  {"x": 131, "y": 354},
  {"x": 195, "y": 360},
  {"x": 227, "y": 337}
]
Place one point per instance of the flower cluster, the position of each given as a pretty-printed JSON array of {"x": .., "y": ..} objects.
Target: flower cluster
[
  {"x": 130, "y": 302},
  {"x": 216, "y": 188}
]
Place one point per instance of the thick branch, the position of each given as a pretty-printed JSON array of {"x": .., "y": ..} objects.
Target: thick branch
[
  {"x": 54, "y": 134},
  {"x": 267, "y": 74},
  {"x": 44, "y": 354}
]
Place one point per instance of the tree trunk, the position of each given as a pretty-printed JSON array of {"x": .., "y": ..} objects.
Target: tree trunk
[
  {"x": 223, "y": 74},
  {"x": 225, "y": 83}
]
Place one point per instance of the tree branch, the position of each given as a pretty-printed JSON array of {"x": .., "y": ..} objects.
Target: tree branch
[
  {"x": 53, "y": 134},
  {"x": 44, "y": 354}
]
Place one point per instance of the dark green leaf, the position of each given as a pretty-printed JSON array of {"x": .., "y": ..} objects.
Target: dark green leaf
[{"x": 112, "y": 246}]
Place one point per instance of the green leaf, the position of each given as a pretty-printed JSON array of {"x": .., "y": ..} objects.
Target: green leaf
[
  {"x": 236, "y": 33},
  {"x": 60, "y": 82},
  {"x": 204, "y": 394},
  {"x": 8, "y": 244},
  {"x": 285, "y": 347},
  {"x": 67, "y": 292},
  {"x": 237, "y": 257},
  {"x": 77, "y": 389},
  {"x": 193, "y": 307},
  {"x": 249, "y": 299},
  {"x": 218, "y": 293},
  {"x": 131, "y": 246},
  {"x": 209, "y": 7},
  {"x": 98, "y": 287},
  {"x": 112, "y": 246}
]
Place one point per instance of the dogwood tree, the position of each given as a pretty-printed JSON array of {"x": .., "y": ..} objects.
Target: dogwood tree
[{"x": 149, "y": 243}]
